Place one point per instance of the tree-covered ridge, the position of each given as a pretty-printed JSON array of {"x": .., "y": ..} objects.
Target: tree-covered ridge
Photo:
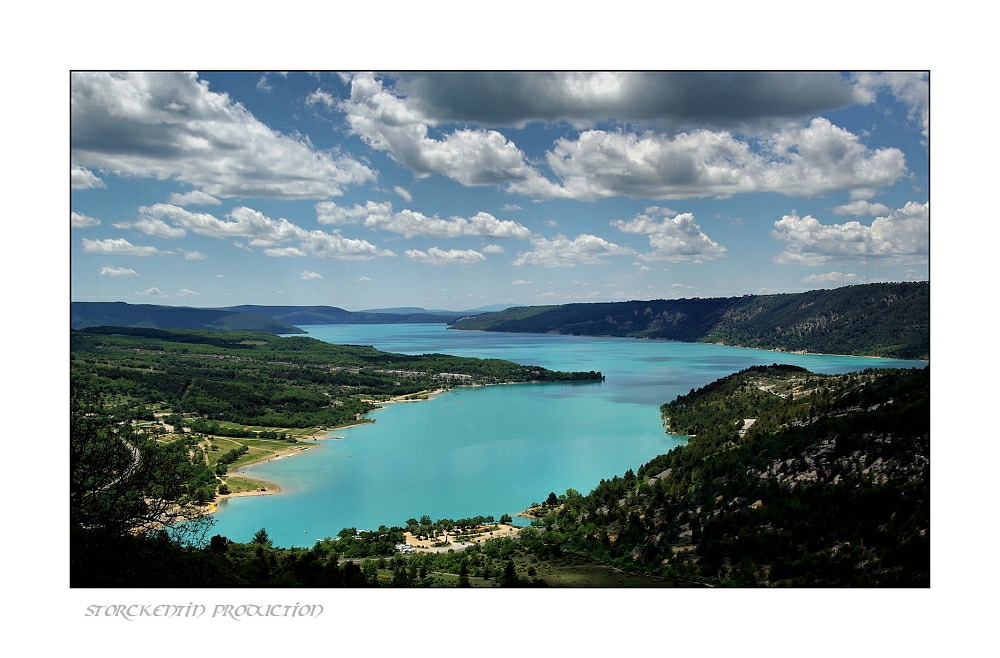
[
  {"x": 265, "y": 380},
  {"x": 299, "y": 315},
  {"x": 120, "y": 314},
  {"x": 828, "y": 487},
  {"x": 878, "y": 319}
]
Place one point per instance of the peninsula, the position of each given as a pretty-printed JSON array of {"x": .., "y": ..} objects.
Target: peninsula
[{"x": 224, "y": 400}]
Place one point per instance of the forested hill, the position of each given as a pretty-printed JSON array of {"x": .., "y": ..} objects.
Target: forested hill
[
  {"x": 120, "y": 314},
  {"x": 332, "y": 315},
  {"x": 259, "y": 379},
  {"x": 269, "y": 319},
  {"x": 877, "y": 319},
  {"x": 829, "y": 485}
]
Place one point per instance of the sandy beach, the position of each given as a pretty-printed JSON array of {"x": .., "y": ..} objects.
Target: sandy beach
[
  {"x": 413, "y": 397},
  {"x": 478, "y": 536},
  {"x": 303, "y": 445}
]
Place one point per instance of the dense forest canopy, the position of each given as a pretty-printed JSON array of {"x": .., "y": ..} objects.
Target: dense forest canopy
[{"x": 260, "y": 379}]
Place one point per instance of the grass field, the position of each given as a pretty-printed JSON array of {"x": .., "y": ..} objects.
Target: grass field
[{"x": 240, "y": 484}]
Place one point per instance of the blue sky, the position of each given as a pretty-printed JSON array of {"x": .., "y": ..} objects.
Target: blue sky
[{"x": 459, "y": 190}]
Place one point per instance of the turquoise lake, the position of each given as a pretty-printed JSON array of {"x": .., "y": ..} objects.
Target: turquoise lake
[{"x": 492, "y": 449}]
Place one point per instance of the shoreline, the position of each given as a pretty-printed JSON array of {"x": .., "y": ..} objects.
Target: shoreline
[
  {"x": 526, "y": 514},
  {"x": 312, "y": 440},
  {"x": 412, "y": 397},
  {"x": 674, "y": 340}
]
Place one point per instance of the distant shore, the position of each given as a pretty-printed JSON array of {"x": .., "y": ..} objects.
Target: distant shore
[{"x": 693, "y": 342}]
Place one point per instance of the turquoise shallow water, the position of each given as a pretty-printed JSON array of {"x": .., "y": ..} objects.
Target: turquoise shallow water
[{"x": 495, "y": 449}]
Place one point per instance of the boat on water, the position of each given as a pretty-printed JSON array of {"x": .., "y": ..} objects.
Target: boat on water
[{"x": 339, "y": 437}]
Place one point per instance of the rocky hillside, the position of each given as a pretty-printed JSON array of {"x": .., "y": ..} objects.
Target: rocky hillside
[
  {"x": 879, "y": 319},
  {"x": 789, "y": 479}
]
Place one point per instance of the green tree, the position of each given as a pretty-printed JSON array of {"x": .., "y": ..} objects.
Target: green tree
[
  {"x": 260, "y": 537},
  {"x": 122, "y": 482},
  {"x": 509, "y": 575},
  {"x": 370, "y": 570}
]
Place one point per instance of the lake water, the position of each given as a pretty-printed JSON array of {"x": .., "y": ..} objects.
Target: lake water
[{"x": 491, "y": 449}]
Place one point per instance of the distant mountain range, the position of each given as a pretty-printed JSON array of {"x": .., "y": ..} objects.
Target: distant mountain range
[
  {"x": 878, "y": 319},
  {"x": 407, "y": 310},
  {"x": 332, "y": 315},
  {"x": 151, "y": 316},
  {"x": 267, "y": 319}
]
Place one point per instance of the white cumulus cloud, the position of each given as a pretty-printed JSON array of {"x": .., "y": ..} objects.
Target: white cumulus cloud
[
  {"x": 328, "y": 212},
  {"x": 904, "y": 232},
  {"x": 117, "y": 271},
  {"x": 493, "y": 249},
  {"x": 155, "y": 292},
  {"x": 307, "y": 275},
  {"x": 797, "y": 161},
  {"x": 193, "y": 198},
  {"x": 411, "y": 223},
  {"x": 335, "y": 246},
  {"x": 79, "y": 220},
  {"x": 862, "y": 208},
  {"x": 158, "y": 228},
  {"x": 185, "y": 292},
  {"x": 832, "y": 278},
  {"x": 910, "y": 88},
  {"x": 285, "y": 252},
  {"x": 435, "y": 256},
  {"x": 388, "y": 122},
  {"x": 171, "y": 126},
  {"x": 262, "y": 231},
  {"x": 117, "y": 246},
  {"x": 679, "y": 239},
  {"x": 243, "y": 223},
  {"x": 320, "y": 97},
  {"x": 584, "y": 249},
  {"x": 81, "y": 178},
  {"x": 403, "y": 193}
]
